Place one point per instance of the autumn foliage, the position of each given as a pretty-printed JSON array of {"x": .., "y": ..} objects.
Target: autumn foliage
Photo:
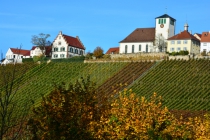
[
  {"x": 74, "y": 112},
  {"x": 98, "y": 52}
]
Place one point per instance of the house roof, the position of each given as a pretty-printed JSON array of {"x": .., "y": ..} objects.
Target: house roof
[
  {"x": 166, "y": 16},
  {"x": 114, "y": 50},
  {"x": 47, "y": 48},
  {"x": 205, "y": 37},
  {"x": 183, "y": 35},
  {"x": 20, "y": 51},
  {"x": 141, "y": 35},
  {"x": 72, "y": 41},
  {"x": 198, "y": 34}
]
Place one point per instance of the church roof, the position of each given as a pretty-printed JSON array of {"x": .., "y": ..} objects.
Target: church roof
[
  {"x": 183, "y": 35},
  {"x": 166, "y": 16},
  {"x": 141, "y": 35}
]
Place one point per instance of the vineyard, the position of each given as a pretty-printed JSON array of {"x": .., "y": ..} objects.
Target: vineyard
[{"x": 183, "y": 85}]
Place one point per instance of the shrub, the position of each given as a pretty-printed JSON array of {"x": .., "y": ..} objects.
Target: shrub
[
  {"x": 27, "y": 60},
  {"x": 66, "y": 113}
]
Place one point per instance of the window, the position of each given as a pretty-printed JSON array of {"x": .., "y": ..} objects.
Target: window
[
  {"x": 185, "y": 42},
  {"x": 178, "y": 42},
  {"x": 172, "y": 42},
  {"x": 59, "y": 43},
  {"x": 184, "y": 48},
  {"x": 132, "y": 48},
  {"x": 62, "y": 55},
  {"x": 59, "y": 37},
  {"x": 172, "y": 49},
  {"x": 71, "y": 50},
  {"x": 13, "y": 56},
  {"x": 76, "y": 51},
  {"x": 126, "y": 48},
  {"x": 146, "y": 48},
  {"x": 204, "y": 44},
  {"x": 55, "y": 49},
  {"x": 139, "y": 47},
  {"x": 162, "y": 21},
  {"x": 62, "y": 49},
  {"x": 171, "y": 22},
  {"x": 55, "y": 56},
  {"x": 21, "y": 56},
  {"x": 81, "y": 52},
  {"x": 178, "y": 49}
]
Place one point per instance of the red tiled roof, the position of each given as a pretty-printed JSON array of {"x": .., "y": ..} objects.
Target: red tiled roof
[
  {"x": 141, "y": 35},
  {"x": 48, "y": 49},
  {"x": 198, "y": 34},
  {"x": 205, "y": 37},
  {"x": 114, "y": 50},
  {"x": 21, "y": 52},
  {"x": 183, "y": 35},
  {"x": 72, "y": 41},
  {"x": 33, "y": 48}
]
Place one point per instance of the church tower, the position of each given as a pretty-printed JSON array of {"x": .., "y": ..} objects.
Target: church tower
[{"x": 165, "y": 26}]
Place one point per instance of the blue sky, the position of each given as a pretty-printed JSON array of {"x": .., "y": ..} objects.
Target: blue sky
[{"x": 97, "y": 22}]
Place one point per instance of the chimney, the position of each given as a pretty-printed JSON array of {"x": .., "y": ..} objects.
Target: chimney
[
  {"x": 180, "y": 31},
  {"x": 191, "y": 32},
  {"x": 186, "y": 27}
]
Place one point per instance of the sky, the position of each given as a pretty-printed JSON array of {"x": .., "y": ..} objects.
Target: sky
[{"x": 101, "y": 23}]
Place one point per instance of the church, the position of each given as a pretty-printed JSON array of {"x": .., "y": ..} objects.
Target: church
[{"x": 149, "y": 39}]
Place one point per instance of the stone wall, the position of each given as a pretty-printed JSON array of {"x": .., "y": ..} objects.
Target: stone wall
[
  {"x": 136, "y": 55},
  {"x": 185, "y": 57}
]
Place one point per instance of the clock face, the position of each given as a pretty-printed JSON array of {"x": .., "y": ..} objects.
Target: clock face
[{"x": 161, "y": 25}]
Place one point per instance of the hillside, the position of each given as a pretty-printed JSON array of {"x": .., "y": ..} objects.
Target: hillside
[{"x": 183, "y": 85}]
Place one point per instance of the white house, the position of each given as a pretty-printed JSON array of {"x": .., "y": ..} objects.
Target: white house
[
  {"x": 205, "y": 42},
  {"x": 144, "y": 39},
  {"x": 65, "y": 46},
  {"x": 16, "y": 55},
  {"x": 36, "y": 51}
]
